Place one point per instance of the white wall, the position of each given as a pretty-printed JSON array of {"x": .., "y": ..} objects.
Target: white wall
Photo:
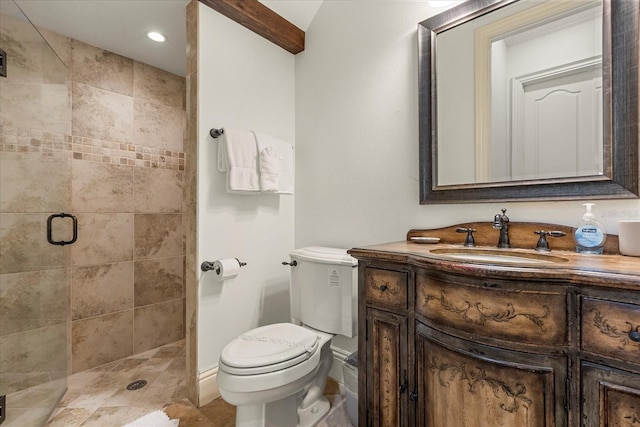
[
  {"x": 357, "y": 134},
  {"x": 244, "y": 82},
  {"x": 355, "y": 119}
]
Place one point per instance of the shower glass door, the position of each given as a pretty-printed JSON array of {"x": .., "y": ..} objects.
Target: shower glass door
[{"x": 35, "y": 128}]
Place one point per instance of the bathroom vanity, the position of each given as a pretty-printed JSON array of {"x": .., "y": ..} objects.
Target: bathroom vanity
[{"x": 479, "y": 336}]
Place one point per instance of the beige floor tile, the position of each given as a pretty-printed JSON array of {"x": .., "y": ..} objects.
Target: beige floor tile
[
  {"x": 115, "y": 416},
  {"x": 90, "y": 399},
  {"x": 26, "y": 417},
  {"x": 99, "y": 398},
  {"x": 69, "y": 417}
]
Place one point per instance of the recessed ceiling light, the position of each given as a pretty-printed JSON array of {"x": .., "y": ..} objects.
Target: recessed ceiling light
[{"x": 156, "y": 36}]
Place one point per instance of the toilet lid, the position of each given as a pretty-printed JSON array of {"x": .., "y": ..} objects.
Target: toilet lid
[{"x": 268, "y": 345}]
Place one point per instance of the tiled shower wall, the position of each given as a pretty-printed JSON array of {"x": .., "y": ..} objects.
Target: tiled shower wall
[
  {"x": 127, "y": 166},
  {"x": 35, "y": 123},
  {"x": 127, "y": 292}
]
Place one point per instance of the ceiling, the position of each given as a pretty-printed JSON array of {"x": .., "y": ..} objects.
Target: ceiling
[{"x": 120, "y": 26}]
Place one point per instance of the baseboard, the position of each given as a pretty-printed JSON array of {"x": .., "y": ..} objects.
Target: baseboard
[
  {"x": 208, "y": 387},
  {"x": 339, "y": 356}
]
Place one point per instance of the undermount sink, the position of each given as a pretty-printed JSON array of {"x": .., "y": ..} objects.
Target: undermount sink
[{"x": 498, "y": 256}]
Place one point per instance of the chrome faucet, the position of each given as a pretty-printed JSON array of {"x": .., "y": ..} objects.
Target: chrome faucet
[{"x": 501, "y": 222}]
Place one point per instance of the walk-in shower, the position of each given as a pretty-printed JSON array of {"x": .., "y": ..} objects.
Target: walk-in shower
[{"x": 35, "y": 127}]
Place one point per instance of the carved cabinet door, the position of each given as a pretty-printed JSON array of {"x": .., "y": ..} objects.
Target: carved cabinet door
[
  {"x": 387, "y": 364},
  {"x": 610, "y": 397},
  {"x": 463, "y": 384}
]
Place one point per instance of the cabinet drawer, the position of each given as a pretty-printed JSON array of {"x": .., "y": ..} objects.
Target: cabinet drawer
[
  {"x": 611, "y": 328},
  {"x": 386, "y": 287},
  {"x": 528, "y": 317}
]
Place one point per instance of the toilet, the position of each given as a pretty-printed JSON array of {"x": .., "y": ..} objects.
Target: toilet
[{"x": 275, "y": 375}]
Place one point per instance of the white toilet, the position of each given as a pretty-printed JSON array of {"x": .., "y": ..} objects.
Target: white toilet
[{"x": 275, "y": 375}]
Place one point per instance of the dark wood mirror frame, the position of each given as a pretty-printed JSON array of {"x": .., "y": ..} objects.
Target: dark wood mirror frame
[{"x": 621, "y": 74}]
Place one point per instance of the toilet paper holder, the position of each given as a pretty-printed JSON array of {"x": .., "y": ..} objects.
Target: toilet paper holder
[{"x": 209, "y": 265}]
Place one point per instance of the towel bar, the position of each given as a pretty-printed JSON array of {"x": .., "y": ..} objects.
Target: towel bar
[{"x": 215, "y": 133}]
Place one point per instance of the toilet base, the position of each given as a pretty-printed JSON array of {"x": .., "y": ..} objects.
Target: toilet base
[
  {"x": 282, "y": 413},
  {"x": 312, "y": 415},
  {"x": 273, "y": 414}
]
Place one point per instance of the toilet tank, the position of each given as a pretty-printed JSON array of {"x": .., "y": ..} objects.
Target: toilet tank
[{"x": 324, "y": 290}]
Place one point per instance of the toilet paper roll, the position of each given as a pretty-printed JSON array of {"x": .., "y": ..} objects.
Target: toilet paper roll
[{"x": 226, "y": 268}]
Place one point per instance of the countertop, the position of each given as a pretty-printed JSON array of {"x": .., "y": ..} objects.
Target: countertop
[{"x": 610, "y": 271}]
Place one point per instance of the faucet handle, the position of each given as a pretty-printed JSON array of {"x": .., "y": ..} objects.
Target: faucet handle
[
  {"x": 468, "y": 241},
  {"x": 543, "y": 245}
]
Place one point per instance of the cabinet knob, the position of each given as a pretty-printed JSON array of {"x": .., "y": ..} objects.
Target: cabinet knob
[
  {"x": 634, "y": 336},
  {"x": 413, "y": 396},
  {"x": 383, "y": 288}
]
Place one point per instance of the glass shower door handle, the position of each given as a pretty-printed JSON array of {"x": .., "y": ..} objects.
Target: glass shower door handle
[{"x": 50, "y": 232}]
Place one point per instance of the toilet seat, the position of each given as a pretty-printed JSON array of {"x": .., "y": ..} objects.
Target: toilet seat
[{"x": 268, "y": 348}]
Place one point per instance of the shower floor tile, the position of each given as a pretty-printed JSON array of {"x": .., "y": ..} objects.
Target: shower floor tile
[{"x": 98, "y": 397}]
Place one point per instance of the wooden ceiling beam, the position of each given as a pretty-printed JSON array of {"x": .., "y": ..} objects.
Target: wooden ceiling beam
[{"x": 261, "y": 20}]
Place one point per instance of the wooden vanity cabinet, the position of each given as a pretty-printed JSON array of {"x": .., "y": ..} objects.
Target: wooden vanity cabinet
[
  {"x": 460, "y": 383},
  {"x": 387, "y": 368},
  {"x": 518, "y": 314},
  {"x": 430, "y": 354},
  {"x": 610, "y": 397},
  {"x": 454, "y": 344},
  {"x": 384, "y": 334},
  {"x": 490, "y": 352},
  {"x": 610, "y": 360}
]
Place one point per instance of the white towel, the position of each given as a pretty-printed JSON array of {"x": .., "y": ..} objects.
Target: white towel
[
  {"x": 238, "y": 156},
  {"x": 269, "y": 161},
  {"x": 276, "y": 164},
  {"x": 154, "y": 419}
]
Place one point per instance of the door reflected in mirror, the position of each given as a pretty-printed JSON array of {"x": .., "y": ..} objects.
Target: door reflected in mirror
[{"x": 520, "y": 95}]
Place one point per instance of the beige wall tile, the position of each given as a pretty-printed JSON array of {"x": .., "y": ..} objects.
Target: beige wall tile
[
  {"x": 33, "y": 299},
  {"x": 191, "y": 139},
  {"x": 14, "y": 28},
  {"x": 35, "y": 106},
  {"x": 101, "y": 289},
  {"x": 101, "y": 69},
  {"x": 56, "y": 108},
  {"x": 192, "y": 37},
  {"x": 26, "y": 59},
  {"x": 158, "y": 190},
  {"x": 157, "y": 235},
  {"x": 100, "y": 340},
  {"x": 34, "y": 184},
  {"x": 32, "y": 60},
  {"x": 23, "y": 243},
  {"x": 158, "y": 86},
  {"x": 12, "y": 382},
  {"x": 158, "y": 126},
  {"x": 101, "y": 187},
  {"x": 158, "y": 280},
  {"x": 158, "y": 324},
  {"x": 103, "y": 238},
  {"x": 60, "y": 44},
  {"x": 37, "y": 350},
  {"x": 101, "y": 114},
  {"x": 21, "y": 105},
  {"x": 36, "y": 81}
]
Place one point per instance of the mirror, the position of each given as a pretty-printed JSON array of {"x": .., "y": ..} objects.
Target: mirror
[{"x": 504, "y": 115}]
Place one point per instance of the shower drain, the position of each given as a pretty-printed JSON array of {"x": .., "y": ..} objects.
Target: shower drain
[{"x": 136, "y": 385}]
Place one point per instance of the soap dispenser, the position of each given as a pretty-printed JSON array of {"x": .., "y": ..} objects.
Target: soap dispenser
[{"x": 590, "y": 236}]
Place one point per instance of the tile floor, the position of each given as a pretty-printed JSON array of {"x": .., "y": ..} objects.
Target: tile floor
[{"x": 98, "y": 397}]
